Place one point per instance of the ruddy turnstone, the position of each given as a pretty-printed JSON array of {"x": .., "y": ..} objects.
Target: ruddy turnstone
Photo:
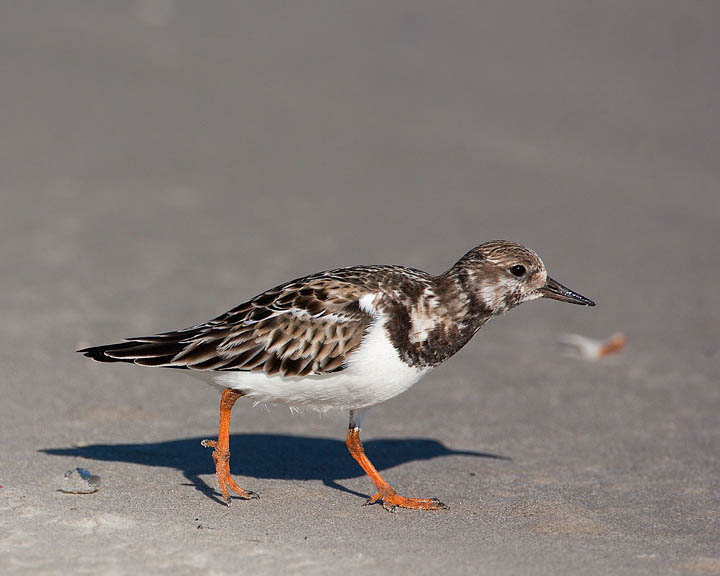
[{"x": 349, "y": 338}]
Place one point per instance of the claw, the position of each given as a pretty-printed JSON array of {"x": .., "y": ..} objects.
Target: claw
[
  {"x": 373, "y": 500},
  {"x": 246, "y": 495}
]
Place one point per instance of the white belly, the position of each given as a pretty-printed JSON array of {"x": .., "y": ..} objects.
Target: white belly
[{"x": 373, "y": 374}]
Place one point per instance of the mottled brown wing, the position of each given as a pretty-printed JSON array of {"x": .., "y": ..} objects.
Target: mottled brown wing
[
  {"x": 305, "y": 327},
  {"x": 286, "y": 344}
]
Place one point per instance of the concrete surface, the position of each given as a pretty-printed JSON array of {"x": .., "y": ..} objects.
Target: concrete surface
[{"x": 162, "y": 161}]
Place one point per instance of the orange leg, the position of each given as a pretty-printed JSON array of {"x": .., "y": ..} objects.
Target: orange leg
[
  {"x": 221, "y": 454},
  {"x": 389, "y": 498}
]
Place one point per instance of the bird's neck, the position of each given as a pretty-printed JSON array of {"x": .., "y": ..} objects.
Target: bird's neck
[
  {"x": 436, "y": 325},
  {"x": 474, "y": 292},
  {"x": 486, "y": 288}
]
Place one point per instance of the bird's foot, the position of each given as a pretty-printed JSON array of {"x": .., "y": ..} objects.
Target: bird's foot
[
  {"x": 222, "y": 471},
  {"x": 391, "y": 500}
]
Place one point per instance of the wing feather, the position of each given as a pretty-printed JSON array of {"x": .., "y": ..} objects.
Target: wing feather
[{"x": 304, "y": 327}]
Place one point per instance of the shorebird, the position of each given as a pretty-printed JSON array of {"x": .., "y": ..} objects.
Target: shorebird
[{"x": 345, "y": 339}]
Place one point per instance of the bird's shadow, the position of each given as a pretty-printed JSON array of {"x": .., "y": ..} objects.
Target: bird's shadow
[{"x": 274, "y": 456}]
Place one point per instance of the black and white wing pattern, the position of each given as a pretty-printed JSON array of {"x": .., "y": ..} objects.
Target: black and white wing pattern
[{"x": 307, "y": 326}]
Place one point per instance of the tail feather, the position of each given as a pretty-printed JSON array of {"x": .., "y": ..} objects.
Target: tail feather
[
  {"x": 145, "y": 350},
  {"x": 148, "y": 354}
]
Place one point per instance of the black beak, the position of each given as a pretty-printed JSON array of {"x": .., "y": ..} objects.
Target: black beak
[{"x": 553, "y": 289}]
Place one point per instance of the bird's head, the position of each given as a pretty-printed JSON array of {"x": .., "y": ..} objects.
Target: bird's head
[{"x": 503, "y": 274}]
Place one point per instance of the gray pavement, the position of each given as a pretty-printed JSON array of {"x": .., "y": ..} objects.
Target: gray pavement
[{"x": 162, "y": 161}]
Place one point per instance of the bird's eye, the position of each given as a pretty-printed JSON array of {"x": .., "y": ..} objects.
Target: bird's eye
[{"x": 518, "y": 270}]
